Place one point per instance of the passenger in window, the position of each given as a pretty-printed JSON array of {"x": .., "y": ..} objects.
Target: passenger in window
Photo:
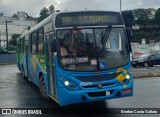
[
  {"x": 40, "y": 48},
  {"x": 63, "y": 51}
]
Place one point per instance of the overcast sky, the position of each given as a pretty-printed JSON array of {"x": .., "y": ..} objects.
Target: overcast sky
[{"x": 33, "y": 7}]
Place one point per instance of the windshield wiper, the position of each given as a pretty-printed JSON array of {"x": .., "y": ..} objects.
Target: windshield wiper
[
  {"x": 80, "y": 34},
  {"x": 106, "y": 35}
]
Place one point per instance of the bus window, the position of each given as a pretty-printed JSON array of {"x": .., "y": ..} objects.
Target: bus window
[
  {"x": 22, "y": 47},
  {"x": 41, "y": 41},
  {"x": 114, "y": 40},
  {"x": 19, "y": 46},
  {"x": 34, "y": 42},
  {"x": 26, "y": 44},
  {"x": 30, "y": 43}
]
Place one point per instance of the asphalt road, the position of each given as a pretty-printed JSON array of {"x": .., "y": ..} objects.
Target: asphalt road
[
  {"x": 16, "y": 92},
  {"x": 143, "y": 72}
]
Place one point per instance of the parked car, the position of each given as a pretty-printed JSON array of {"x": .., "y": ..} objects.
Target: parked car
[
  {"x": 4, "y": 51},
  {"x": 146, "y": 60}
]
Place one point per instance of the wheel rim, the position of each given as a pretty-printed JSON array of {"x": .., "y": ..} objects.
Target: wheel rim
[
  {"x": 43, "y": 87},
  {"x": 146, "y": 64}
]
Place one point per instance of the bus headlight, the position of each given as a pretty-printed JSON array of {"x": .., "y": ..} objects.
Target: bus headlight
[
  {"x": 68, "y": 84},
  {"x": 128, "y": 77}
]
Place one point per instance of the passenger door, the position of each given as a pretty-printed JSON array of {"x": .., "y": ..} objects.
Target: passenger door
[
  {"x": 27, "y": 57},
  {"x": 51, "y": 65}
]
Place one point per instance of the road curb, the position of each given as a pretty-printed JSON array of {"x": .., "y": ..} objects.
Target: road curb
[
  {"x": 7, "y": 63},
  {"x": 137, "y": 76}
]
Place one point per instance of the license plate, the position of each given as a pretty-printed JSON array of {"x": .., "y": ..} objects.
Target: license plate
[{"x": 108, "y": 93}]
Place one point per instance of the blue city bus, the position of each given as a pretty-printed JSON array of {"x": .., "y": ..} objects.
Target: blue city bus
[{"x": 78, "y": 57}]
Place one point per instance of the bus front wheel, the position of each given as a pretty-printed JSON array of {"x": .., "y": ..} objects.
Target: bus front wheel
[{"x": 43, "y": 87}]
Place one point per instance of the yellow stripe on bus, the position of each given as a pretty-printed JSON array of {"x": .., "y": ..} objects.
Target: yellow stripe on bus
[{"x": 120, "y": 78}]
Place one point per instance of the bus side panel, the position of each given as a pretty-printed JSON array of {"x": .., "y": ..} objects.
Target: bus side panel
[
  {"x": 36, "y": 67},
  {"x": 18, "y": 60},
  {"x": 25, "y": 63},
  {"x": 32, "y": 69},
  {"x": 22, "y": 61},
  {"x": 18, "y": 56}
]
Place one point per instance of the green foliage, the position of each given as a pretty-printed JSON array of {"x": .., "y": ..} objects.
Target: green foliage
[
  {"x": 13, "y": 39},
  {"x": 138, "y": 36},
  {"x": 44, "y": 13},
  {"x": 144, "y": 16},
  {"x": 128, "y": 18},
  {"x": 157, "y": 17},
  {"x": 51, "y": 9}
]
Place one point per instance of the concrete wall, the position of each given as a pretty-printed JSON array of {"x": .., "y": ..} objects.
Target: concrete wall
[
  {"x": 138, "y": 49},
  {"x": 7, "y": 58}
]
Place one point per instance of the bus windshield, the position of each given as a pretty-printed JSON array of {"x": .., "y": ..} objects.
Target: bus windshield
[{"x": 92, "y": 49}]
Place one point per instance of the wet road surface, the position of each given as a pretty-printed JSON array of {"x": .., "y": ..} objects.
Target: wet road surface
[
  {"x": 142, "y": 72},
  {"x": 16, "y": 92}
]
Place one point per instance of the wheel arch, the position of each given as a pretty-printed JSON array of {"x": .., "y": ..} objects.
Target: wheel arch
[{"x": 45, "y": 79}]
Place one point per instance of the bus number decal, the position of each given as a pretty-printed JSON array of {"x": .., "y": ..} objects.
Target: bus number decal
[{"x": 83, "y": 84}]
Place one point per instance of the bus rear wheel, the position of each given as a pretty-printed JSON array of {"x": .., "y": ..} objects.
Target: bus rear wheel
[
  {"x": 42, "y": 87},
  {"x": 23, "y": 73}
]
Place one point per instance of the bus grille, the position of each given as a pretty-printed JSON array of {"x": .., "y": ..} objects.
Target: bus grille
[
  {"x": 104, "y": 85},
  {"x": 97, "y": 78}
]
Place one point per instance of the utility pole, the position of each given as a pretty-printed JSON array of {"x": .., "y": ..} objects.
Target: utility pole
[
  {"x": 7, "y": 33},
  {"x": 120, "y": 6}
]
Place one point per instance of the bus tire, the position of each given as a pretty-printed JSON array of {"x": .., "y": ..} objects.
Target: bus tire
[
  {"x": 23, "y": 73},
  {"x": 42, "y": 87}
]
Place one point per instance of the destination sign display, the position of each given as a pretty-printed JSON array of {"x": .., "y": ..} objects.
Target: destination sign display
[
  {"x": 87, "y": 19},
  {"x": 66, "y": 61}
]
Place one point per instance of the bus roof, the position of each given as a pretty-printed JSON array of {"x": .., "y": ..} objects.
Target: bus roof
[{"x": 52, "y": 16}]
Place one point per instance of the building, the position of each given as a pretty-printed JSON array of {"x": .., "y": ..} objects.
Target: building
[{"x": 16, "y": 24}]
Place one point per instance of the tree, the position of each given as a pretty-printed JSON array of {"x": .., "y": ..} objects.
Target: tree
[
  {"x": 128, "y": 17},
  {"x": 13, "y": 39},
  {"x": 137, "y": 36},
  {"x": 44, "y": 13},
  {"x": 157, "y": 17},
  {"x": 143, "y": 16},
  {"x": 51, "y": 9}
]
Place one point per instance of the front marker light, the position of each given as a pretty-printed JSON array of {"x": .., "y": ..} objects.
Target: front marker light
[
  {"x": 127, "y": 76},
  {"x": 66, "y": 83},
  {"x": 69, "y": 84}
]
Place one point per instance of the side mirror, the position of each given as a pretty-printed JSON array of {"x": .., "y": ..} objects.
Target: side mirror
[
  {"x": 129, "y": 35},
  {"x": 54, "y": 45}
]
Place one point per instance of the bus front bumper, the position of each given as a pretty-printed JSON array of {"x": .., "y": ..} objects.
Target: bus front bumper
[{"x": 66, "y": 97}]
